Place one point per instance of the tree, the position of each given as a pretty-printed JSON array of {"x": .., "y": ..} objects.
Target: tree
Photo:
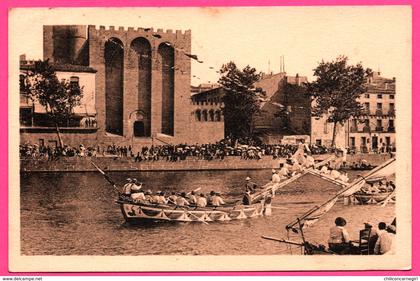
[
  {"x": 336, "y": 91},
  {"x": 57, "y": 97},
  {"x": 241, "y": 99}
]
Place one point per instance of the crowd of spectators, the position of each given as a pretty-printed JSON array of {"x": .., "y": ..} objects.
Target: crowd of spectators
[{"x": 245, "y": 149}]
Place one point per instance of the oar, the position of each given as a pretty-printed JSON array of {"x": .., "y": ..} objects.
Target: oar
[
  {"x": 282, "y": 240},
  {"x": 195, "y": 190},
  {"x": 106, "y": 177},
  {"x": 383, "y": 204},
  {"x": 201, "y": 220}
]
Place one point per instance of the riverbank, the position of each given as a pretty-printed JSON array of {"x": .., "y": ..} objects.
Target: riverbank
[{"x": 83, "y": 164}]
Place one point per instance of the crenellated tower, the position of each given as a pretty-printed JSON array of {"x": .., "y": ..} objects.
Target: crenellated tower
[{"x": 142, "y": 79}]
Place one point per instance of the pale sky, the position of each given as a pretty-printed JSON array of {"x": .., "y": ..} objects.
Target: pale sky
[{"x": 375, "y": 36}]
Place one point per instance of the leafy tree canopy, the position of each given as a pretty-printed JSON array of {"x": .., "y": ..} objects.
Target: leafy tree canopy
[
  {"x": 337, "y": 88},
  {"x": 58, "y": 97},
  {"x": 336, "y": 91},
  {"x": 241, "y": 100}
]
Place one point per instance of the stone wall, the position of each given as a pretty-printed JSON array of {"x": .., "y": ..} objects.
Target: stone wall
[
  {"x": 181, "y": 76},
  {"x": 78, "y": 164}
]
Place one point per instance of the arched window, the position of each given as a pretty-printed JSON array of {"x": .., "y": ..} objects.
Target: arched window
[
  {"x": 205, "y": 116},
  {"x": 141, "y": 52},
  {"x": 218, "y": 116},
  {"x": 22, "y": 82},
  {"x": 167, "y": 62},
  {"x": 211, "y": 114},
  {"x": 198, "y": 115},
  {"x": 74, "y": 80},
  {"x": 114, "y": 86}
]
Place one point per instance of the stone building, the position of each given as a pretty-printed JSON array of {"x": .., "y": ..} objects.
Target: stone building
[
  {"x": 35, "y": 124},
  {"x": 375, "y": 129},
  {"x": 287, "y": 109},
  {"x": 208, "y": 112},
  {"x": 142, "y": 83},
  {"x": 322, "y": 132},
  {"x": 285, "y": 112}
]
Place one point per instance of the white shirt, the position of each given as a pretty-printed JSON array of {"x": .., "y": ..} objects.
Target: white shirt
[
  {"x": 284, "y": 172},
  {"x": 335, "y": 174},
  {"x": 127, "y": 188},
  {"x": 275, "y": 178},
  {"x": 384, "y": 244},
  {"x": 139, "y": 196},
  {"x": 217, "y": 201},
  {"x": 201, "y": 202}
]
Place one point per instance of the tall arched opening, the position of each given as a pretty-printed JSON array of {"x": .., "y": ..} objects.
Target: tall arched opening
[
  {"x": 114, "y": 86},
  {"x": 167, "y": 59},
  {"x": 141, "y": 47}
]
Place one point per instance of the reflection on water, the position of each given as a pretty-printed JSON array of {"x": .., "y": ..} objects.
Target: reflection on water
[{"x": 75, "y": 214}]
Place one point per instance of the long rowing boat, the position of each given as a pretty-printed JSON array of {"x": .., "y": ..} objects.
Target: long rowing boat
[
  {"x": 255, "y": 205},
  {"x": 143, "y": 212},
  {"x": 366, "y": 198}
]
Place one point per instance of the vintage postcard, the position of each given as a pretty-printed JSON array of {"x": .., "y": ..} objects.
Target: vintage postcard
[{"x": 210, "y": 139}]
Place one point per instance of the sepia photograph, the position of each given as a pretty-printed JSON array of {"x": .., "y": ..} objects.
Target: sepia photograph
[{"x": 210, "y": 139}]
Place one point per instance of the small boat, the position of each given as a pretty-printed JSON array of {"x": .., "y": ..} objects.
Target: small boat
[
  {"x": 366, "y": 198},
  {"x": 143, "y": 212},
  {"x": 358, "y": 167}
]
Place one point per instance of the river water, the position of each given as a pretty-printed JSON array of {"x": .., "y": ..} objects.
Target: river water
[{"x": 76, "y": 214}]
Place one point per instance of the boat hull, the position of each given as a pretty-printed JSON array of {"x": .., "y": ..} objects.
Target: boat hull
[
  {"x": 371, "y": 198},
  {"x": 137, "y": 213}
]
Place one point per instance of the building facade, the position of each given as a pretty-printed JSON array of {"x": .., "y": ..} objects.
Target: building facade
[
  {"x": 37, "y": 127},
  {"x": 208, "y": 121},
  {"x": 375, "y": 129},
  {"x": 141, "y": 84},
  {"x": 287, "y": 109}
]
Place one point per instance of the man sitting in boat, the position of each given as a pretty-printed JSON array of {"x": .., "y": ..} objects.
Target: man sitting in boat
[
  {"x": 148, "y": 195},
  {"x": 155, "y": 198},
  {"x": 339, "y": 241},
  {"x": 192, "y": 199},
  {"x": 161, "y": 198},
  {"x": 250, "y": 186},
  {"x": 392, "y": 185},
  {"x": 216, "y": 200},
  {"x": 324, "y": 170},
  {"x": 136, "y": 185},
  {"x": 172, "y": 198},
  {"x": 382, "y": 187},
  {"x": 138, "y": 196},
  {"x": 127, "y": 187},
  {"x": 181, "y": 200},
  {"x": 275, "y": 178},
  {"x": 373, "y": 189},
  {"x": 201, "y": 201}
]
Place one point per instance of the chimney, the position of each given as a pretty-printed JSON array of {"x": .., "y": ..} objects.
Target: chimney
[{"x": 22, "y": 57}]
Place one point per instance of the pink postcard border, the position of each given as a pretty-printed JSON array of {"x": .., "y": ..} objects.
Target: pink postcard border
[{"x": 5, "y": 5}]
